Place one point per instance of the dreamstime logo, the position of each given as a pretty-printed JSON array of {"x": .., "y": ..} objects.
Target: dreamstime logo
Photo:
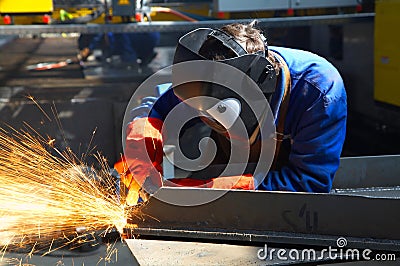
[
  {"x": 231, "y": 113},
  {"x": 341, "y": 242},
  {"x": 331, "y": 253}
]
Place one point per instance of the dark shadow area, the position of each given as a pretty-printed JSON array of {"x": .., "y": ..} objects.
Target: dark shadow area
[{"x": 367, "y": 137}]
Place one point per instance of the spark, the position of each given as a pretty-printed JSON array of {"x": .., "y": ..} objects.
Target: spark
[
  {"x": 48, "y": 196},
  {"x": 58, "y": 121},
  {"x": 30, "y": 97},
  {"x": 111, "y": 252}
]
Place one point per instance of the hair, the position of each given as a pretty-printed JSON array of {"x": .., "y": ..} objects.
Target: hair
[{"x": 250, "y": 37}]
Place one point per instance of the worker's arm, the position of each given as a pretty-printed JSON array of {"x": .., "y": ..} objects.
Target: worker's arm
[
  {"x": 245, "y": 182},
  {"x": 144, "y": 145},
  {"x": 83, "y": 54},
  {"x": 143, "y": 151},
  {"x": 317, "y": 138},
  {"x": 86, "y": 49}
]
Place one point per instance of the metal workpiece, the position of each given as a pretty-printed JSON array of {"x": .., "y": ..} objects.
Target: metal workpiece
[
  {"x": 179, "y": 253},
  {"x": 368, "y": 172},
  {"x": 368, "y": 176},
  {"x": 182, "y": 26},
  {"x": 274, "y": 217},
  {"x": 182, "y": 253},
  {"x": 191, "y": 253}
]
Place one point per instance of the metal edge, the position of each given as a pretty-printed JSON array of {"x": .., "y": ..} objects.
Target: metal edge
[
  {"x": 263, "y": 212},
  {"x": 256, "y": 238}
]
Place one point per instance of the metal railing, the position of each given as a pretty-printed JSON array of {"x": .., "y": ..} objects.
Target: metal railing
[{"x": 181, "y": 26}]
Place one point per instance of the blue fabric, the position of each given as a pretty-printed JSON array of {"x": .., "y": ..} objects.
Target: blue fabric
[
  {"x": 315, "y": 121},
  {"x": 132, "y": 46}
]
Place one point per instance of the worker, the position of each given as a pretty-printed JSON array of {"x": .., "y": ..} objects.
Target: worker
[
  {"x": 136, "y": 47},
  {"x": 87, "y": 43},
  {"x": 306, "y": 96},
  {"x": 133, "y": 49}
]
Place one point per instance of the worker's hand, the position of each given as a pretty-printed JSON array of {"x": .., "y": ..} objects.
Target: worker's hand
[
  {"x": 245, "y": 182},
  {"x": 143, "y": 153},
  {"x": 83, "y": 54}
]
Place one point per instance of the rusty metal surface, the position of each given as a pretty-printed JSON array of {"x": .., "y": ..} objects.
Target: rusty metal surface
[{"x": 281, "y": 217}]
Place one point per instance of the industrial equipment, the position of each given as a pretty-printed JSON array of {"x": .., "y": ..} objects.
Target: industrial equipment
[
  {"x": 10, "y": 7},
  {"x": 386, "y": 58},
  {"x": 117, "y": 11},
  {"x": 261, "y": 5}
]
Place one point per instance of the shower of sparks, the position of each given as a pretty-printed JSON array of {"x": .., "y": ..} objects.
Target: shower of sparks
[{"x": 48, "y": 197}]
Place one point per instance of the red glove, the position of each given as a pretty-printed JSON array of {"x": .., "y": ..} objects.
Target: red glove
[
  {"x": 245, "y": 182},
  {"x": 132, "y": 195},
  {"x": 144, "y": 153}
]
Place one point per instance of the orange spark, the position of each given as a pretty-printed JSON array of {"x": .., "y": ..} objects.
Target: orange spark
[
  {"x": 46, "y": 195},
  {"x": 30, "y": 97}
]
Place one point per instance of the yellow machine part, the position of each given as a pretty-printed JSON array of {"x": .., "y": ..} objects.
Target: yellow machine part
[
  {"x": 25, "y": 6},
  {"x": 20, "y": 11},
  {"x": 387, "y": 52},
  {"x": 200, "y": 9}
]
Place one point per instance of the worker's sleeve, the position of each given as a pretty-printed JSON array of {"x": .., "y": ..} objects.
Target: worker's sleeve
[
  {"x": 160, "y": 108},
  {"x": 96, "y": 42},
  {"x": 155, "y": 107},
  {"x": 316, "y": 147},
  {"x": 145, "y": 128}
]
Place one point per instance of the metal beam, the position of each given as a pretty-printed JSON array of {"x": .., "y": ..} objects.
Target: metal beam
[
  {"x": 181, "y": 26},
  {"x": 274, "y": 217},
  {"x": 178, "y": 253},
  {"x": 367, "y": 172}
]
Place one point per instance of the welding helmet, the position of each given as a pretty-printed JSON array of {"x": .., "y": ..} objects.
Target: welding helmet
[{"x": 228, "y": 105}]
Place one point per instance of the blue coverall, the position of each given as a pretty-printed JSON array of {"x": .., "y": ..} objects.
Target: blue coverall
[{"x": 315, "y": 124}]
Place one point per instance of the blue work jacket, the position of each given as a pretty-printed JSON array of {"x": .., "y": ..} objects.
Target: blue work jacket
[{"x": 315, "y": 124}]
